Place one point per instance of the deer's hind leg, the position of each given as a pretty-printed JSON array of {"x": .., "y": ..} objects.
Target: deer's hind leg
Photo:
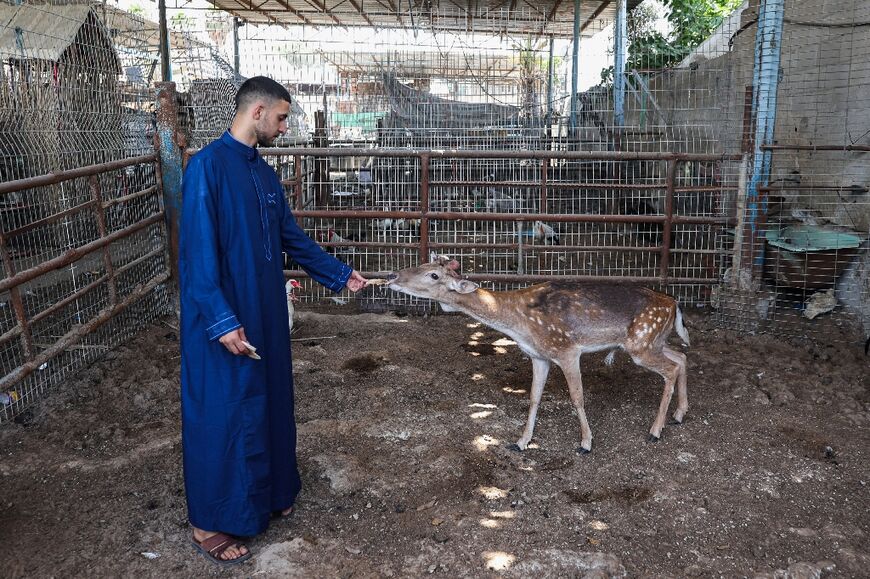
[
  {"x": 661, "y": 364},
  {"x": 682, "y": 395}
]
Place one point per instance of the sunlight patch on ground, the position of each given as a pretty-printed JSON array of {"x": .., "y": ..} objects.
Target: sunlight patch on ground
[
  {"x": 504, "y": 342},
  {"x": 510, "y": 390},
  {"x": 478, "y": 377},
  {"x": 492, "y": 493},
  {"x": 482, "y": 413},
  {"x": 484, "y": 441},
  {"x": 473, "y": 325},
  {"x": 476, "y": 335},
  {"x": 599, "y": 525},
  {"x": 498, "y": 560},
  {"x": 489, "y": 524},
  {"x": 499, "y": 350},
  {"x": 502, "y": 514}
]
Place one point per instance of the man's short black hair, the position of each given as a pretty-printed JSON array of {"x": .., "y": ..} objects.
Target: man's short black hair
[{"x": 260, "y": 87}]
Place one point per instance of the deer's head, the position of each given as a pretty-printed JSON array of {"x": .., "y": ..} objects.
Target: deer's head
[{"x": 436, "y": 280}]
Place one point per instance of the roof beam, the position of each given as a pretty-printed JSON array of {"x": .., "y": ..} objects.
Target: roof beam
[
  {"x": 533, "y": 7},
  {"x": 550, "y": 16},
  {"x": 263, "y": 12},
  {"x": 594, "y": 15},
  {"x": 295, "y": 12},
  {"x": 363, "y": 14},
  {"x": 395, "y": 10},
  {"x": 321, "y": 7}
]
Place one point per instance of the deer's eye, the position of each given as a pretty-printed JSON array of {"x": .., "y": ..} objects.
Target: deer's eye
[{"x": 433, "y": 275}]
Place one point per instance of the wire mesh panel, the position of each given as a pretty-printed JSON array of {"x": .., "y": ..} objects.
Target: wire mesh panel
[
  {"x": 81, "y": 232},
  {"x": 800, "y": 265},
  {"x": 682, "y": 85}
]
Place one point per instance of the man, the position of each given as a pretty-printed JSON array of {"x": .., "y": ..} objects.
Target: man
[{"x": 238, "y": 429}]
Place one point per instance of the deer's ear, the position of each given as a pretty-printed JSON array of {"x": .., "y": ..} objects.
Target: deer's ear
[
  {"x": 439, "y": 259},
  {"x": 463, "y": 286},
  {"x": 453, "y": 264}
]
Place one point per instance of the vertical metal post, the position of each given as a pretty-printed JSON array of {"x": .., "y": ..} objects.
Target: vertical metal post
[
  {"x": 575, "y": 63},
  {"x": 424, "y": 208},
  {"x": 103, "y": 229},
  {"x": 165, "y": 68},
  {"x": 768, "y": 40},
  {"x": 550, "y": 93},
  {"x": 544, "y": 163},
  {"x": 665, "y": 259},
  {"x": 170, "y": 165},
  {"x": 236, "y": 24},
  {"x": 620, "y": 51},
  {"x": 17, "y": 302},
  {"x": 297, "y": 184}
]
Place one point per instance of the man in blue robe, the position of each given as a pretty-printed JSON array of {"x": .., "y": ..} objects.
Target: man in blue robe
[{"x": 238, "y": 428}]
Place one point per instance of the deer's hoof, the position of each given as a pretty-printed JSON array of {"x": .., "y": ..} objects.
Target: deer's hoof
[
  {"x": 652, "y": 438},
  {"x": 581, "y": 450},
  {"x": 675, "y": 422},
  {"x": 514, "y": 447}
]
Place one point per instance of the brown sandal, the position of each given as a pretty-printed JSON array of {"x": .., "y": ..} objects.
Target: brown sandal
[{"x": 214, "y": 547}]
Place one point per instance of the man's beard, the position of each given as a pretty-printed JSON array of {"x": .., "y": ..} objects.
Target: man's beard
[{"x": 263, "y": 139}]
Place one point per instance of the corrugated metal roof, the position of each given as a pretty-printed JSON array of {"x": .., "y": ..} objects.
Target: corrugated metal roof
[
  {"x": 536, "y": 17},
  {"x": 40, "y": 32}
]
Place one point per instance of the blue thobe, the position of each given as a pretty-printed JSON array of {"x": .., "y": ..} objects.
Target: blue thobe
[{"x": 238, "y": 428}]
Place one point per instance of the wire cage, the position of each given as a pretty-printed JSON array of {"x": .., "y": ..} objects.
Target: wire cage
[{"x": 81, "y": 233}]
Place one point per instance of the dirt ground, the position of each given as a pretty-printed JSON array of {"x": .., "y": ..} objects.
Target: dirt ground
[{"x": 404, "y": 424}]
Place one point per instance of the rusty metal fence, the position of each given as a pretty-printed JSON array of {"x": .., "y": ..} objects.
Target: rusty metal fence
[
  {"x": 85, "y": 266},
  {"x": 516, "y": 216}
]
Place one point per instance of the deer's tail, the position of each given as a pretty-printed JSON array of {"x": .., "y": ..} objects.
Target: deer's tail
[{"x": 681, "y": 329}]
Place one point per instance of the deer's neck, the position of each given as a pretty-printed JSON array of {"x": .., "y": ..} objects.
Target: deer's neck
[{"x": 492, "y": 308}]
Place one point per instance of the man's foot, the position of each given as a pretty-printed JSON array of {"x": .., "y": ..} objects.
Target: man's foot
[{"x": 219, "y": 548}]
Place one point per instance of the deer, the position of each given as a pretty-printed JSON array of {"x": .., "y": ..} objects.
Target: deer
[{"x": 556, "y": 322}]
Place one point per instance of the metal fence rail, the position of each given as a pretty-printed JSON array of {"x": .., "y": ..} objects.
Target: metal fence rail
[
  {"x": 596, "y": 230},
  {"x": 84, "y": 265}
]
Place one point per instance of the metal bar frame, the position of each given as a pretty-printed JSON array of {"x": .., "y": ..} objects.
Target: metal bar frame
[
  {"x": 426, "y": 216},
  {"x": 15, "y": 279}
]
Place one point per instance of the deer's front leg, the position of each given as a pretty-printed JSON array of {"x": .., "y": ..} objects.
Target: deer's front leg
[
  {"x": 540, "y": 370},
  {"x": 571, "y": 369}
]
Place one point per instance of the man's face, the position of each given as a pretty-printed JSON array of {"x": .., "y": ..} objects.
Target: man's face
[{"x": 271, "y": 122}]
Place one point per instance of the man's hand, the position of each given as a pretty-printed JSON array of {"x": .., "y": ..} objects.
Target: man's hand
[
  {"x": 235, "y": 342},
  {"x": 356, "y": 282}
]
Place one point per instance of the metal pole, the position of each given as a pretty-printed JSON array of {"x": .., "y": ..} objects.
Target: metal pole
[
  {"x": 550, "y": 93},
  {"x": 165, "y": 68},
  {"x": 575, "y": 55},
  {"x": 236, "y": 24},
  {"x": 170, "y": 165},
  {"x": 768, "y": 40},
  {"x": 620, "y": 50}
]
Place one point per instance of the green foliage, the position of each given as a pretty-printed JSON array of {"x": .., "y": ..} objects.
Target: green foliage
[{"x": 691, "y": 23}]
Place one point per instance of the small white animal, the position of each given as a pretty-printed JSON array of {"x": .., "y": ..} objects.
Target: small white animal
[{"x": 291, "y": 286}]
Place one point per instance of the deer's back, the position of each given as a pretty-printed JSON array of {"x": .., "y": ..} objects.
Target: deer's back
[{"x": 600, "y": 311}]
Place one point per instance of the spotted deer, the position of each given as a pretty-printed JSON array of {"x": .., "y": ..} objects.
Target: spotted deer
[{"x": 557, "y": 322}]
